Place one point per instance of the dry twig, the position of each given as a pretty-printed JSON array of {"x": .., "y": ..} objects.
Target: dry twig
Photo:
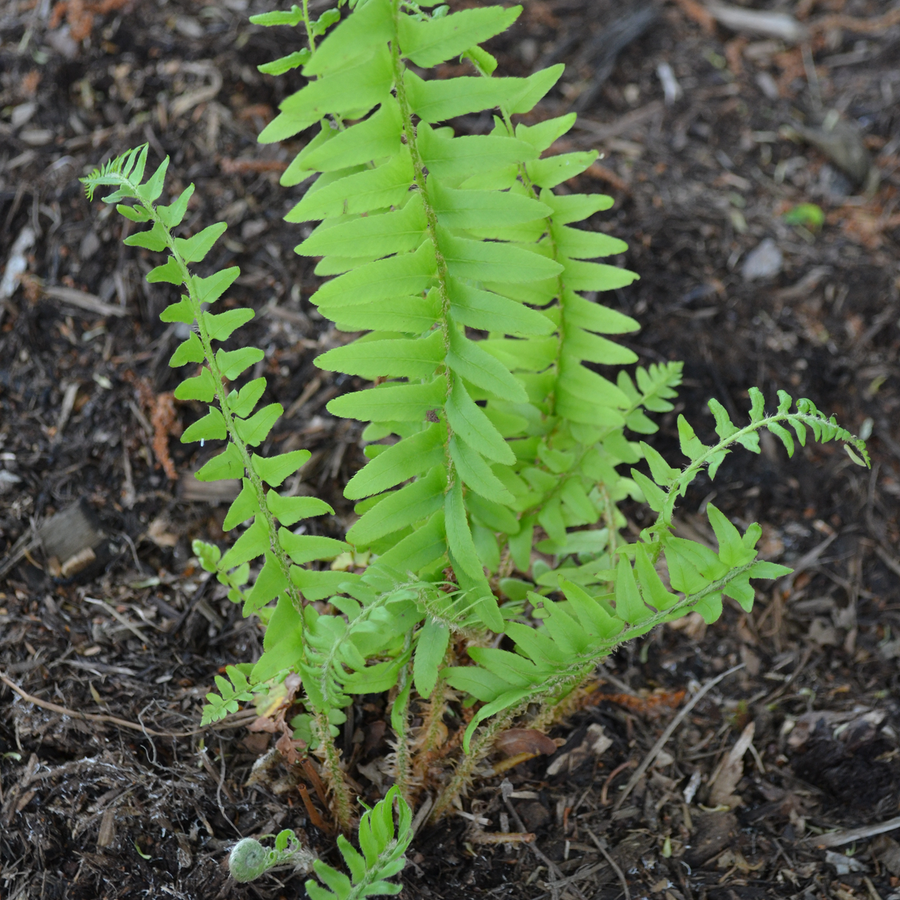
[
  {"x": 837, "y": 838},
  {"x": 612, "y": 863}
]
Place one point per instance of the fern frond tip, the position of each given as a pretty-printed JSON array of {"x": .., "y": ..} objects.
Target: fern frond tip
[{"x": 116, "y": 170}]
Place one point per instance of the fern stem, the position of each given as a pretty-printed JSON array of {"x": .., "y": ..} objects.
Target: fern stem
[
  {"x": 403, "y": 776},
  {"x": 550, "y": 712},
  {"x": 327, "y": 663},
  {"x": 465, "y": 769},
  {"x": 430, "y": 732},
  {"x": 334, "y": 774},
  {"x": 310, "y": 36}
]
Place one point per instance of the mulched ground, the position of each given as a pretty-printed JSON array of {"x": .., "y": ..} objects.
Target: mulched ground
[{"x": 712, "y": 141}]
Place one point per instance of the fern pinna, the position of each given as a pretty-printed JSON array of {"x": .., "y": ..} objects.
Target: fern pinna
[{"x": 489, "y": 434}]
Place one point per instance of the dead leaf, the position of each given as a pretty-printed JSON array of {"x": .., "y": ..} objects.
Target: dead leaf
[
  {"x": 595, "y": 744},
  {"x": 730, "y": 772},
  {"x": 524, "y": 740},
  {"x": 158, "y": 532},
  {"x": 262, "y": 723},
  {"x": 257, "y": 744}
]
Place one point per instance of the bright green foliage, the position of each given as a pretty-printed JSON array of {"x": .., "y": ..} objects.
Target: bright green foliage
[
  {"x": 496, "y": 447},
  {"x": 383, "y": 844},
  {"x": 806, "y": 416},
  {"x": 235, "y": 417},
  {"x": 587, "y": 627},
  {"x": 229, "y": 697},
  {"x": 503, "y": 430}
]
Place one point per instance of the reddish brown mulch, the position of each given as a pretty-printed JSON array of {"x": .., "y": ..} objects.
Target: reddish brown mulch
[{"x": 703, "y": 158}]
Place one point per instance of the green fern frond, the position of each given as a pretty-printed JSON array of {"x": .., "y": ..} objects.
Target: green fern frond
[
  {"x": 668, "y": 484},
  {"x": 229, "y": 696},
  {"x": 125, "y": 171},
  {"x": 233, "y": 416}
]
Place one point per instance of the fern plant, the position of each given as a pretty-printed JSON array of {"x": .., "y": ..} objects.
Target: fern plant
[{"x": 489, "y": 504}]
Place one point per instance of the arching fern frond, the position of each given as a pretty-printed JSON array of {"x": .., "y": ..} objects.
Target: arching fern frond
[
  {"x": 668, "y": 483},
  {"x": 125, "y": 171},
  {"x": 621, "y": 598}
]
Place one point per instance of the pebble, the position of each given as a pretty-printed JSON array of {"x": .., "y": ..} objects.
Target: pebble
[
  {"x": 36, "y": 137},
  {"x": 764, "y": 261},
  {"x": 17, "y": 262}
]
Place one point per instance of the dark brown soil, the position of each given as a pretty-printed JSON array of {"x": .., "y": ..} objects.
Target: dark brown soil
[{"x": 124, "y": 805}]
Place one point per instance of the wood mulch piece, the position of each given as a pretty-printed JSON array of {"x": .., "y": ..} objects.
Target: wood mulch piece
[{"x": 110, "y": 635}]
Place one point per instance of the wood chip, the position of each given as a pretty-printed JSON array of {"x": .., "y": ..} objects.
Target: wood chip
[
  {"x": 731, "y": 771},
  {"x": 83, "y": 300},
  {"x": 71, "y": 531},
  {"x": 771, "y": 24}
]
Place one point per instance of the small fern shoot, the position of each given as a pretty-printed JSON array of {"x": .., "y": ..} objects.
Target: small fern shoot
[
  {"x": 382, "y": 841},
  {"x": 383, "y": 846}
]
